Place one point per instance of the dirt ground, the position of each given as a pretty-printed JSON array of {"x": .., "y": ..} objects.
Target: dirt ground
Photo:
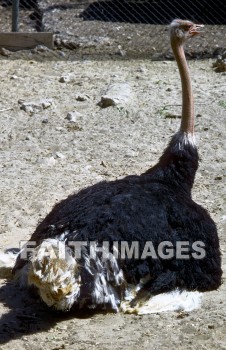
[
  {"x": 118, "y": 39},
  {"x": 45, "y": 157}
]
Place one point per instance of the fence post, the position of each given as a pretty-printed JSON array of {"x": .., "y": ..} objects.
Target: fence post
[{"x": 15, "y": 16}]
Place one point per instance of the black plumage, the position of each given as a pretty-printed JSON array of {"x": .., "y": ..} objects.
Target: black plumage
[{"x": 155, "y": 206}]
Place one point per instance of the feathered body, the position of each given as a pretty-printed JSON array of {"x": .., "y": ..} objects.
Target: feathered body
[{"x": 155, "y": 206}]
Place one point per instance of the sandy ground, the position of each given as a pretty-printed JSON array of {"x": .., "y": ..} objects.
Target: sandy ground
[{"x": 44, "y": 157}]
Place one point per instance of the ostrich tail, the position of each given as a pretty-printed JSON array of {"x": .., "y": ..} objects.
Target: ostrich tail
[
  {"x": 7, "y": 261},
  {"x": 175, "y": 300}
]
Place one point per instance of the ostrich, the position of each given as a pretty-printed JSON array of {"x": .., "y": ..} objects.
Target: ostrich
[{"x": 155, "y": 207}]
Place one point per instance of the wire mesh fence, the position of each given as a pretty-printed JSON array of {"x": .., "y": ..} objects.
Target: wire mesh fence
[{"x": 119, "y": 27}]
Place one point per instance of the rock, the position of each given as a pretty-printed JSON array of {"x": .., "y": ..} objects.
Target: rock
[
  {"x": 59, "y": 155},
  {"x": 61, "y": 53},
  {"x": 59, "y": 128},
  {"x": 82, "y": 98},
  {"x": 46, "y": 103},
  {"x": 211, "y": 326},
  {"x": 5, "y": 52},
  {"x": 220, "y": 64},
  {"x": 219, "y": 177},
  {"x": 51, "y": 161},
  {"x": 66, "y": 43},
  {"x": 73, "y": 116},
  {"x": 116, "y": 94},
  {"x": 28, "y": 109},
  {"x": 32, "y": 107},
  {"x": 57, "y": 42},
  {"x": 41, "y": 48},
  {"x": 66, "y": 79},
  {"x": 121, "y": 52},
  {"x": 131, "y": 154},
  {"x": 141, "y": 69},
  {"x": 15, "y": 77}
]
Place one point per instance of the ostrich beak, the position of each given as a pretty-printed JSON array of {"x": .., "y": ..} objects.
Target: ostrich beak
[{"x": 195, "y": 30}]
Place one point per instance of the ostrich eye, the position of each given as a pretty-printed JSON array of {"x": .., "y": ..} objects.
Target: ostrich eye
[{"x": 188, "y": 26}]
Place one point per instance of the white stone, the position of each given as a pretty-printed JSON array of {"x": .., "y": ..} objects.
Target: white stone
[
  {"x": 82, "y": 98},
  {"x": 32, "y": 107},
  {"x": 60, "y": 155},
  {"x": 66, "y": 79},
  {"x": 51, "y": 161},
  {"x": 46, "y": 103},
  {"x": 116, "y": 94},
  {"x": 73, "y": 116}
]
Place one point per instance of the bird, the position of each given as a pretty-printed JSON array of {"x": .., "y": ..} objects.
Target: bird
[{"x": 150, "y": 215}]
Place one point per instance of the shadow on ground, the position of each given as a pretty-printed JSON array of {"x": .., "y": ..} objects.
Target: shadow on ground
[{"x": 27, "y": 314}]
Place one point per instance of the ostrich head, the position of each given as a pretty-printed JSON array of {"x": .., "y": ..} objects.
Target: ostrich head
[
  {"x": 55, "y": 273},
  {"x": 181, "y": 30}
]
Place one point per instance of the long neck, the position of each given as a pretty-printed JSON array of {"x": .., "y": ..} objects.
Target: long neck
[
  {"x": 178, "y": 164},
  {"x": 187, "y": 121}
]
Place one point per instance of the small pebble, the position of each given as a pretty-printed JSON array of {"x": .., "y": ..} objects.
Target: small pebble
[
  {"x": 73, "y": 116},
  {"x": 82, "y": 98},
  {"x": 15, "y": 77},
  {"x": 60, "y": 155},
  {"x": 41, "y": 48},
  {"x": 32, "y": 107},
  {"x": 48, "y": 161},
  {"x": 5, "y": 52},
  {"x": 141, "y": 69},
  {"x": 65, "y": 79},
  {"x": 46, "y": 103},
  {"x": 211, "y": 326}
]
